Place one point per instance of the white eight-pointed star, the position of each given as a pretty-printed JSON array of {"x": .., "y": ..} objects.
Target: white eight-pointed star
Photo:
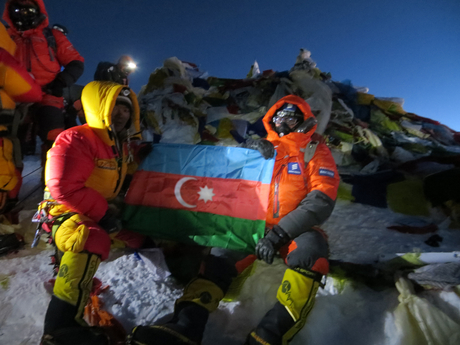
[{"x": 206, "y": 194}]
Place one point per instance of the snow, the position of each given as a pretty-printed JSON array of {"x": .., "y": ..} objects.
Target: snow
[{"x": 141, "y": 292}]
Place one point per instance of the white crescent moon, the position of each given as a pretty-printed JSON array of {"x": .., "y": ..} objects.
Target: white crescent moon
[{"x": 177, "y": 189}]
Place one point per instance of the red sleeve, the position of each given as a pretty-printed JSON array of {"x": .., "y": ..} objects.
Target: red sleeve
[
  {"x": 18, "y": 83},
  {"x": 323, "y": 172},
  {"x": 65, "y": 50},
  {"x": 69, "y": 165}
]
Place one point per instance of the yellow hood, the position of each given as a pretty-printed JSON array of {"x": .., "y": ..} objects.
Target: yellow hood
[{"x": 98, "y": 100}]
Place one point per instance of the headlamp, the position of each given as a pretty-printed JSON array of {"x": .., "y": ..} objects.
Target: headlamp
[{"x": 131, "y": 65}]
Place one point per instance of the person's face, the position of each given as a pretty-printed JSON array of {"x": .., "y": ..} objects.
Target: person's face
[
  {"x": 285, "y": 124},
  {"x": 120, "y": 117},
  {"x": 24, "y": 15}
]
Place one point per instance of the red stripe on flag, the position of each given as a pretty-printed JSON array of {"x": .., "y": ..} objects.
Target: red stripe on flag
[{"x": 228, "y": 197}]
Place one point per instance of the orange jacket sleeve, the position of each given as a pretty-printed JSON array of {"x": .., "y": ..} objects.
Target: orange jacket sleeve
[
  {"x": 65, "y": 51},
  {"x": 69, "y": 165}
]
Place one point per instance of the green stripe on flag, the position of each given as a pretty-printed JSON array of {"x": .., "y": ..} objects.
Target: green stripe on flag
[{"x": 201, "y": 228}]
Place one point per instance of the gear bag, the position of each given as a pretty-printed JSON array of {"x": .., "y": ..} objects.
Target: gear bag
[
  {"x": 52, "y": 47},
  {"x": 8, "y": 176},
  {"x": 48, "y": 33}
]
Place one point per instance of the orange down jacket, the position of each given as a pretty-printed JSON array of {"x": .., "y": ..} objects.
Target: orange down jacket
[{"x": 301, "y": 195}]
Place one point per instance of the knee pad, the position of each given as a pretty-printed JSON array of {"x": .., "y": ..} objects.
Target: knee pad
[
  {"x": 79, "y": 233},
  {"x": 309, "y": 251},
  {"x": 202, "y": 292}
]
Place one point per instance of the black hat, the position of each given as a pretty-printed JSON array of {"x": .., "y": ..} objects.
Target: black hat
[
  {"x": 289, "y": 109},
  {"x": 125, "y": 100}
]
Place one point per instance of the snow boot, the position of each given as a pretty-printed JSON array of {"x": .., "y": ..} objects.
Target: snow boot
[
  {"x": 71, "y": 291},
  {"x": 186, "y": 327},
  {"x": 59, "y": 315},
  {"x": 273, "y": 326},
  {"x": 201, "y": 297},
  {"x": 296, "y": 297},
  {"x": 63, "y": 326},
  {"x": 78, "y": 336}
]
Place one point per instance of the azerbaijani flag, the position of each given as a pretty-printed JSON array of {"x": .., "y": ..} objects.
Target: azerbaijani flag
[{"x": 209, "y": 195}]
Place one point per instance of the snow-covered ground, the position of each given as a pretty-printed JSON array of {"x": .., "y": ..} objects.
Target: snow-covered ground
[{"x": 139, "y": 293}]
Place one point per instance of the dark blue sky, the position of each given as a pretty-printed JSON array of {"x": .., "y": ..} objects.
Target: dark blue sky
[{"x": 397, "y": 48}]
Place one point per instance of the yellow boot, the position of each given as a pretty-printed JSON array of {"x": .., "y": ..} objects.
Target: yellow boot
[{"x": 296, "y": 297}]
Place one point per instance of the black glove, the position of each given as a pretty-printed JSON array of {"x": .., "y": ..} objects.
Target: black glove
[
  {"x": 268, "y": 246},
  {"x": 109, "y": 222},
  {"x": 265, "y": 147},
  {"x": 72, "y": 71},
  {"x": 56, "y": 87}
]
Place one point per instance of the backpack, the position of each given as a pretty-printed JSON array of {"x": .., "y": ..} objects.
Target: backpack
[
  {"x": 52, "y": 46},
  {"x": 310, "y": 149},
  {"x": 48, "y": 33}
]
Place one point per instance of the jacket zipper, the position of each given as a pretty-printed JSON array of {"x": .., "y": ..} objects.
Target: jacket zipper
[
  {"x": 119, "y": 169},
  {"x": 276, "y": 196},
  {"x": 28, "y": 55},
  {"x": 119, "y": 165}
]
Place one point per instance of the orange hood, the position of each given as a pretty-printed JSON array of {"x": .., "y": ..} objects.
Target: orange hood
[{"x": 293, "y": 141}]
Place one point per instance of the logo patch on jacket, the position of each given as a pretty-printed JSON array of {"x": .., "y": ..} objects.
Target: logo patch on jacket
[
  {"x": 294, "y": 168},
  {"x": 326, "y": 172},
  {"x": 106, "y": 164}
]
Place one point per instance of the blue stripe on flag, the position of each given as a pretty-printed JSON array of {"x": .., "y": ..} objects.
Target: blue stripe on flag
[{"x": 209, "y": 161}]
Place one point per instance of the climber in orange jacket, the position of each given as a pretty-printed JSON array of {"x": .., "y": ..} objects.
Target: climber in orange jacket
[
  {"x": 302, "y": 196},
  {"x": 85, "y": 169}
]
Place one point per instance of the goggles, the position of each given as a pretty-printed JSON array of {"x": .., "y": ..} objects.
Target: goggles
[
  {"x": 288, "y": 119},
  {"x": 25, "y": 16},
  {"x": 24, "y": 11}
]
